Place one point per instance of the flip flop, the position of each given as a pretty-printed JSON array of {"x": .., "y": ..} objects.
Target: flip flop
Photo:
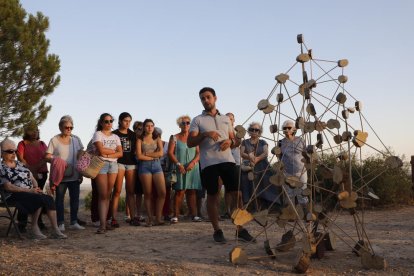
[{"x": 100, "y": 231}]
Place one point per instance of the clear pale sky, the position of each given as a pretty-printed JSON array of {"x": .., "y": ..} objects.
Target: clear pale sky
[{"x": 151, "y": 58}]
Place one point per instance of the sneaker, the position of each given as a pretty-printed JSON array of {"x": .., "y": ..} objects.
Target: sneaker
[
  {"x": 62, "y": 227},
  {"x": 244, "y": 235},
  {"x": 114, "y": 223},
  {"x": 75, "y": 226},
  {"x": 58, "y": 236},
  {"x": 196, "y": 219},
  {"x": 141, "y": 219},
  {"x": 174, "y": 220},
  {"x": 218, "y": 236},
  {"x": 96, "y": 223}
]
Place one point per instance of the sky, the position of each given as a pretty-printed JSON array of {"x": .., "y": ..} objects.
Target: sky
[{"x": 150, "y": 58}]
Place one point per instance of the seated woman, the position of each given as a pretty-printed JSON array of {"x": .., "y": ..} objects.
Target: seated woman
[{"x": 22, "y": 188}]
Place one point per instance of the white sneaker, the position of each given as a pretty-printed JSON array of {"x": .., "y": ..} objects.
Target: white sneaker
[
  {"x": 76, "y": 226},
  {"x": 96, "y": 223},
  {"x": 62, "y": 227}
]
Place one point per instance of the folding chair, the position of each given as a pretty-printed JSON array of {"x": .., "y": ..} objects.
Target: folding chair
[{"x": 11, "y": 216}]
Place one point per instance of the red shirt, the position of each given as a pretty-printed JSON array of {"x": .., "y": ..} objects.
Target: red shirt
[{"x": 33, "y": 154}]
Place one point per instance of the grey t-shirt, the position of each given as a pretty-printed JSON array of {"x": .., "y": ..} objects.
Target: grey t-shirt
[{"x": 210, "y": 153}]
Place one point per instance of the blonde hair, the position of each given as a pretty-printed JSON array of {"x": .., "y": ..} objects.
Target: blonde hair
[{"x": 181, "y": 118}]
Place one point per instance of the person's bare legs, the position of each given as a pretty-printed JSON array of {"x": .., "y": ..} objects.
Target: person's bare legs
[
  {"x": 35, "y": 226},
  {"x": 212, "y": 210},
  {"x": 146, "y": 181},
  {"x": 116, "y": 194},
  {"x": 138, "y": 204},
  {"x": 104, "y": 183},
  {"x": 130, "y": 179},
  {"x": 190, "y": 196},
  {"x": 159, "y": 184},
  {"x": 51, "y": 214},
  {"x": 178, "y": 200}
]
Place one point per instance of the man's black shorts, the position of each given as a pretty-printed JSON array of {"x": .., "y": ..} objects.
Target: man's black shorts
[{"x": 210, "y": 176}]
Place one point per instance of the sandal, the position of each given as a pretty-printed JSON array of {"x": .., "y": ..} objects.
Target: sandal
[
  {"x": 100, "y": 231},
  {"x": 58, "y": 236},
  {"x": 135, "y": 222}
]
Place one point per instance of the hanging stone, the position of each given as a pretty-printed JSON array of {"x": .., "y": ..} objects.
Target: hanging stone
[
  {"x": 341, "y": 98},
  {"x": 337, "y": 139},
  {"x": 282, "y": 78},
  {"x": 276, "y": 150},
  {"x": 345, "y": 114},
  {"x": 300, "y": 123},
  {"x": 263, "y": 104},
  {"x": 337, "y": 174},
  {"x": 393, "y": 162},
  {"x": 311, "y": 109},
  {"x": 302, "y": 58},
  {"x": 269, "y": 109},
  {"x": 240, "y": 131},
  {"x": 309, "y": 127},
  {"x": 277, "y": 179},
  {"x": 351, "y": 109},
  {"x": 332, "y": 123},
  {"x": 320, "y": 126},
  {"x": 279, "y": 97},
  {"x": 346, "y": 136},
  {"x": 319, "y": 140},
  {"x": 358, "y": 105},
  {"x": 299, "y": 38},
  {"x": 342, "y": 79},
  {"x": 342, "y": 62},
  {"x": 360, "y": 138},
  {"x": 273, "y": 128},
  {"x": 311, "y": 84}
]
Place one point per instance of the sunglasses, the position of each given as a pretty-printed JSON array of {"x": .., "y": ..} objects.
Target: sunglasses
[
  {"x": 185, "y": 123},
  {"x": 10, "y": 151},
  {"x": 108, "y": 121},
  {"x": 69, "y": 128},
  {"x": 254, "y": 130},
  {"x": 287, "y": 128}
]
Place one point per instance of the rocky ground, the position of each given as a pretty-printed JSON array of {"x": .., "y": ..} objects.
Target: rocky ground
[{"x": 187, "y": 248}]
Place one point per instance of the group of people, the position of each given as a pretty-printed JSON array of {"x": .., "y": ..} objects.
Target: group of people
[{"x": 205, "y": 153}]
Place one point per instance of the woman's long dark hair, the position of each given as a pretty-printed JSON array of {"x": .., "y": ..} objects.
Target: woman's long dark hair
[
  {"x": 101, "y": 119},
  {"x": 155, "y": 134}
]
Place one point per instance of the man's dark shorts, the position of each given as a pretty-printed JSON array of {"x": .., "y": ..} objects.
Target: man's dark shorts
[{"x": 210, "y": 176}]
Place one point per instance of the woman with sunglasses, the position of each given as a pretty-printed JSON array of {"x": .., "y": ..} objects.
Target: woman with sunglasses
[
  {"x": 108, "y": 146},
  {"x": 188, "y": 172},
  {"x": 31, "y": 152},
  {"x": 292, "y": 147},
  {"x": 66, "y": 146},
  {"x": 149, "y": 151},
  {"x": 126, "y": 169},
  {"x": 254, "y": 152},
  {"x": 21, "y": 187}
]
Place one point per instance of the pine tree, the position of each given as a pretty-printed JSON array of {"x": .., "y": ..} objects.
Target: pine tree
[{"x": 28, "y": 74}]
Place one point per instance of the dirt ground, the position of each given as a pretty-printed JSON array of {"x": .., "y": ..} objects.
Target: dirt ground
[{"x": 187, "y": 248}]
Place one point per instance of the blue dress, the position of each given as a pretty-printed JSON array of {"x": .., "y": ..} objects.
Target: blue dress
[{"x": 191, "y": 180}]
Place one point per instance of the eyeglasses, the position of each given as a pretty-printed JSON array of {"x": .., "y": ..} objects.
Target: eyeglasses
[
  {"x": 185, "y": 123},
  {"x": 108, "y": 121},
  {"x": 287, "y": 128},
  {"x": 254, "y": 130},
  {"x": 69, "y": 128},
  {"x": 9, "y": 151}
]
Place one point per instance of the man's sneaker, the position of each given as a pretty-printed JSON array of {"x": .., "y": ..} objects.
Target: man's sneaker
[
  {"x": 219, "y": 236},
  {"x": 62, "y": 227},
  {"x": 75, "y": 226},
  {"x": 244, "y": 235}
]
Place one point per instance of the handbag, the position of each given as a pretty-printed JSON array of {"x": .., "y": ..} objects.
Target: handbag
[
  {"x": 171, "y": 175},
  {"x": 89, "y": 164}
]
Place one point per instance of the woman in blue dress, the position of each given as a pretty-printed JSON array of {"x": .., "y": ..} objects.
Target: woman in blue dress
[{"x": 185, "y": 160}]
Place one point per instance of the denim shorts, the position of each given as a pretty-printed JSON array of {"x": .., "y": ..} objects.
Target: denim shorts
[
  {"x": 149, "y": 167},
  {"x": 124, "y": 167},
  {"x": 109, "y": 167}
]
